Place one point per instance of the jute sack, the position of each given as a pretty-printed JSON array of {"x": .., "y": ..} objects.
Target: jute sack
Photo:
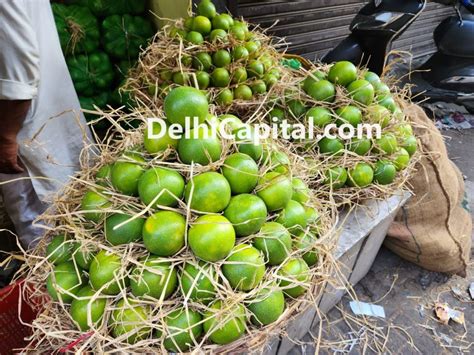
[{"x": 433, "y": 230}]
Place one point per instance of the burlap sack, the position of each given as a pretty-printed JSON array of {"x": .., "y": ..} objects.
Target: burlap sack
[{"x": 433, "y": 230}]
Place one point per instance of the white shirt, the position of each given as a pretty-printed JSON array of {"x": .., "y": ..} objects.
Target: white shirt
[{"x": 32, "y": 66}]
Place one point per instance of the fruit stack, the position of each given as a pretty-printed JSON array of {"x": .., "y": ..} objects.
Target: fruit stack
[
  {"x": 212, "y": 52},
  {"x": 343, "y": 95},
  {"x": 181, "y": 244},
  {"x": 101, "y": 40}
]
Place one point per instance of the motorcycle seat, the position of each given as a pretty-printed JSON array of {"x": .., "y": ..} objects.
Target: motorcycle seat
[{"x": 455, "y": 38}]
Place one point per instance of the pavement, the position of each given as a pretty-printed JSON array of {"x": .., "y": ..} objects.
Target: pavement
[{"x": 408, "y": 294}]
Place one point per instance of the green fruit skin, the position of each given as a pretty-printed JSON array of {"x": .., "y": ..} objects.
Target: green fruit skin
[
  {"x": 220, "y": 78},
  {"x": 274, "y": 184},
  {"x": 200, "y": 290},
  {"x": 247, "y": 213},
  {"x": 185, "y": 102},
  {"x": 58, "y": 250},
  {"x": 203, "y": 80},
  {"x": 292, "y": 271},
  {"x": 243, "y": 92},
  {"x": 94, "y": 201},
  {"x": 184, "y": 330},
  {"x": 221, "y": 58},
  {"x": 225, "y": 97},
  {"x": 401, "y": 159},
  {"x": 208, "y": 192},
  {"x": 268, "y": 307},
  {"x": 211, "y": 237},
  {"x": 164, "y": 233},
  {"x": 343, "y": 73},
  {"x": 349, "y": 115},
  {"x": 360, "y": 146},
  {"x": 102, "y": 272},
  {"x": 206, "y": 8},
  {"x": 125, "y": 177},
  {"x": 384, "y": 172},
  {"x": 218, "y": 35},
  {"x": 300, "y": 191},
  {"x": 202, "y": 61},
  {"x": 305, "y": 241},
  {"x": 158, "y": 145},
  {"x": 293, "y": 217},
  {"x": 336, "y": 177},
  {"x": 241, "y": 172},
  {"x": 322, "y": 90},
  {"x": 158, "y": 284},
  {"x": 320, "y": 116},
  {"x": 360, "y": 171},
  {"x": 67, "y": 278},
  {"x": 194, "y": 37},
  {"x": 387, "y": 143},
  {"x": 244, "y": 268},
  {"x": 128, "y": 233},
  {"x": 274, "y": 241},
  {"x": 130, "y": 318},
  {"x": 224, "y": 332},
  {"x": 201, "y": 150},
  {"x": 81, "y": 308},
  {"x": 83, "y": 258},
  {"x": 165, "y": 183},
  {"x": 410, "y": 144},
  {"x": 332, "y": 146},
  {"x": 361, "y": 91}
]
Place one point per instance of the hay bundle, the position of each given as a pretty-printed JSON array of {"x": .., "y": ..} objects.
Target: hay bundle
[{"x": 144, "y": 322}]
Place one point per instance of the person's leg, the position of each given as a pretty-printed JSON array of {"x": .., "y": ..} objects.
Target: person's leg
[{"x": 22, "y": 206}]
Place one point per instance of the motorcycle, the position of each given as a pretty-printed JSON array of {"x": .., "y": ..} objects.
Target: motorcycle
[{"x": 448, "y": 75}]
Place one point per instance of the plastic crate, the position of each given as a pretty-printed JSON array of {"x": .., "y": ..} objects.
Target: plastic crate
[{"x": 13, "y": 315}]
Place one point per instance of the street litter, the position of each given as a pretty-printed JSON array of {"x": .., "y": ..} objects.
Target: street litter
[
  {"x": 445, "y": 313},
  {"x": 367, "y": 309}
]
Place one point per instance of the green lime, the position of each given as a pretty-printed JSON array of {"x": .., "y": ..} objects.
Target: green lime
[
  {"x": 203, "y": 80},
  {"x": 198, "y": 282},
  {"x": 311, "y": 215},
  {"x": 208, "y": 192},
  {"x": 360, "y": 146},
  {"x": 372, "y": 78},
  {"x": 126, "y": 173},
  {"x": 220, "y": 77},
  {"x": 361, "y": 175},
  {"x": 401, "y": 159},
  {"x": 320, "y": 116},
  {"x": 349, "y": 115},
  {"x": 83, "y": 255},
  {"x": 184, "y": 329},
  {"x": 198, "y": 149},
  {"x": 274, "y": 241},
  {"x": 64, "y": 282},
  {"x": 202, "y": 61},
  {"x": 378, "y": 114},
  {"x": 162, "y": 186},
  {"x": 301, "y": 191},
  {"x": 362, "y": 92},
  {"x": 221, "y": 58},
  {"x": 342, "y": 73},
  {"x": 185, "y": 102},
  {"x": 206, "y": 8},
  {"x": 202, "y": 25},
  {"x": 255, "y": 69},
  {"x": 258, "y": 87},
  {"x": 188, "y": 23},
  {"x": 252, "y": 47},
  {"x": 331, "y": 146},
  {"x": 405, "y": 130},
  {"x": 239, "y": 75},
  {"x": 239, "y": 52},
  {"x": 276, "y": 114},
  {"x": 229, "y": 18},
  {"x": 247, "y": 213},
  {"x": 131, "y": 319},
  {"x": 154, "y": 278},
  {"x": 296, "y": 108},
  {"x": 293, "y": 217},
  {"x": 336, "y": 177},
  {"x": 244, "y": 268},
  {"x": 270, "y": 80},
  {"x": 130, "y": 229},
  {"x": 323, "y": 91},
  {"x": 181, "y": 78},
  {"x": 157, "y": 145},
  {"x": 232, "y": 122},
  {"x": 225, "y": 97},
  {"x": 385, "y": 172},
  {"x": 221, "y": 22},
  {"x": 387, "y": 143},
  {"x": 275, "y": 190},
  {"x": 241, "y": 172},
  {"x": 224, "y": 323},
  {"x": 59, "y": 249},
  {"x": 93, "y": 202},
  {"x": 87, "y": 311},
  {"x": 164, "y": 233},
  {"x": 195, "y": 38},
  {"x": 218, "y": 36},
  {"x": 211, "y": 237},
  {"x": 278, "y": 161},
  {"x": 294, "y": 274},
  {"x": 382, "y": 90},
  {"x": 238, "y": 32},
  {"x": 247, "y": 144},
  {"x": 410, "y": 144},
  {"x": 104, "y": 272},
  {"x": 312, "y": 78},
  {"x": 243, "y": 92},
  {"x": 304, "y": 242},
  {"x": 267, "y": 306},
  {"x": 186, "y": 60},
  {"x": 103, "y": 175},
  {"x": 389, "y": 103}
]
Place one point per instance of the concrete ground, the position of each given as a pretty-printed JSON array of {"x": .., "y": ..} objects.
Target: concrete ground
[{"x": 408, "y": 294}]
